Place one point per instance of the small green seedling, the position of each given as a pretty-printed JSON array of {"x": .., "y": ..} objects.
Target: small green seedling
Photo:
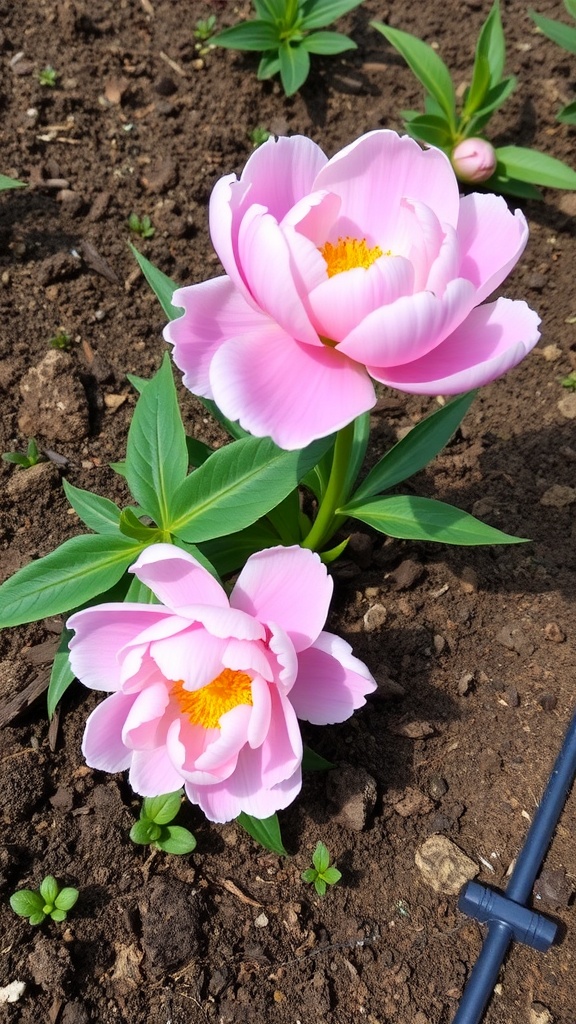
[
  {"x": 32, "y": 457},
  {"x": 322, "y": 874},
  {"x": 258, "y": 136},
  {"x": 204, "y": 30},
  {"x": 6, "y": 183},
  {"x": 564, "y": 36},
  {"x": 284, "y": 32},
  {"x": 141, "y": 225},
  {"x": 47, "y": 901},
  {"x": 48, "y": 76},
  {"x": 569, "y": 381},
  {"x": 152, "y": 828},
  {"x": 61, "y": 341}
]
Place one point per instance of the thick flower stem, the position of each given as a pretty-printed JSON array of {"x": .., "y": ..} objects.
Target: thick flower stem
[{"x": 326, "y": 521}]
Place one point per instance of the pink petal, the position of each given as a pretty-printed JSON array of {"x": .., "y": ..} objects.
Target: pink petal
[
  {"x": 492, "y": 239},
  {"x": 100, "y": 633},
  {"x": 102, "y": 745},
  {"x": 226, "y": 800},
  {"x": 293, "y": 393},
  {"x": 418, "y": 236},
  {"x": 177, "y": 579},
  {"x": 227, "y": 742},
  {"x": 185, "y": 742},
  {"x": 331, "y": 682},
  {"x": 195, "y": 657},
  {"x": 153, "y": 774},
  {"x": 377, "y": 171},
  {"x": 341, "y": 302},
  {"x": 144, "y": 720},
  {"x": 247, "y": 656},
  {"x": 446, "y": 266},
  {"x": 261, "y": 713},
  {"x": 286, "y": 660},
  {"x": 408, "y": 328},
  {"x": 213, "y": 312},
  {"x": 492, "y": 339},
  {"x": 287, "y": 586}
]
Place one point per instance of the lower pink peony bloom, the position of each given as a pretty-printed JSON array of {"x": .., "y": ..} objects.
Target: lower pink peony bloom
[
  {"x": 206, "y": 691},
  {"x": 366, "y": 266}
]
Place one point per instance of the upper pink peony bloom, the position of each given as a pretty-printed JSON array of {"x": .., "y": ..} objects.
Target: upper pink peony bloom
[
  {"x": 474, "y": 160},
  {"x": 206, "y": 690},
  {"x": 368, "y": 265}
]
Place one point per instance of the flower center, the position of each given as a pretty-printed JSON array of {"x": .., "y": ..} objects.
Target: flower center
[
  {"x": 349, "y": 253},
  {"x": 206, "y": 706}
]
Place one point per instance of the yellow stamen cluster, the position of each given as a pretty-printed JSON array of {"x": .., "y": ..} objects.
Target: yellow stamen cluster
[
  {"x": 349, "y": 253},
  {"x": 206, "y": 706}
]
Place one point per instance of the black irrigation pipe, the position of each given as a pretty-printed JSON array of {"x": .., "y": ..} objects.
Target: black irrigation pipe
[{"x": 507, "y": 916}]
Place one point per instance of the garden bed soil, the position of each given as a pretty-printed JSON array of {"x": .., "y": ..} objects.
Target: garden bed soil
[{"x": 473, "y": 648}]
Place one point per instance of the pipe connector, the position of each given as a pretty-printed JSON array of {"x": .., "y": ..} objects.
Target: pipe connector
[{"x": 527, "y": 926}]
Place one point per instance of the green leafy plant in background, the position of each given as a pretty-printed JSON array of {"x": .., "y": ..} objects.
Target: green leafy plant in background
[
  {"x": 258, "y": 136},
  {"x": 564, "y": 36},
  {"x": 323, "y": 873},
  {"x": 48, "y": 77},
  {"x": 47, "y": 901},
  {"x": 285, "y": 33},
  {"x": 569, "y": 381},
  {"x": 153, "y": 827},
  {"x": 31, "y": 458},
  {"x": 203, "y": 33},
  {"x": 6, "y": 183},
  {"x": 141, "y": 225},
  {"x": 519, "y": 170},
  {"x": 61, "y": 341}
]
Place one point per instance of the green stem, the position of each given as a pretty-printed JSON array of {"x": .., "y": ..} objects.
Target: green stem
[{"x": 326, "y": 521}]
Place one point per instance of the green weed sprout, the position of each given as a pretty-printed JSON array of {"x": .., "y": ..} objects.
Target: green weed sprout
[
  {"x": 569, "y": 381},
  {"x": 48, "y": 76},
  {"x": 141, "y": 225},
  {"x": 32, "y": 457},
  {"x": 6, "y": 183},
  {"x": 258, "y": 136},
  {"x": 153, "y": 828},
  {"x": 47, "y": 901},
  {"x": 322, "y": 874},
  {"x": 283, "y": 31},
  {"x": 203, "y": 33},
  {"x": 62, "y": 341},
  {"x": 564, "y": 36},
  {"x": 513, "y": 170}
]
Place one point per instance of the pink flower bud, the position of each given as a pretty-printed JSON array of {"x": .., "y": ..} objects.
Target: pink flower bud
[{"x": 474, "y": 160}]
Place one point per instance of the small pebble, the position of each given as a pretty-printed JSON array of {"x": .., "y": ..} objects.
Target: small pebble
[
  {"x": 547, "y": 701},
  {"x": 437, "y": 787},
  {"x": 261, "y": 921},
  {"x": 465, "y": 683},
  {"x": 553, "y": 632},
  {"x": 375, "y": 617},
  {"x": 444, "y": 866}
]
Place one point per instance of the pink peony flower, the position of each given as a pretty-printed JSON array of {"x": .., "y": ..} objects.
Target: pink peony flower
[
  {"x": 474, "y": 160},
  {"x": 368, "y": 265},
  {"x": 205, "y": 690}
]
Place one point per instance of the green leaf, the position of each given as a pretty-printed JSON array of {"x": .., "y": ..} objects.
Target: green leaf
[
  {"x": 500, "y": 182},
  {"x": 145, "y": 832},
  {"x": 27, "y": 903},
  {"x": 17, "y": 458},
  {"x": 66, "y": 899},
  {"x": 563, "y": 35},
  {"x": 139, "y": 383},
  {"x": 535, "y": 168},
  {"x": 318, "y": 13},
  {"x": 130, "y": 526},
  {"x": 327, "y": 557},
  {"x": 428, "y": 67},
  {"x": 58, "y": 915},
  {"x": 49, "y": 889},
  {"x": 162, "y": 809},
  {"x": 332, "y": 875},
  {"x": 6, "y": 183},
  {"x": 310, "y": 875},
  {"x": 413, "y": 518},
  {"x": 162, "y": 286},
  {"x": 294, "y": 66},
  {"x": 237, "y": 485},
  {"x": 229, "y": 553},
  {"x": 68, "y": 577},
  {"x": 273, "y": 10},
  {"x": 37, "y": 918},
  {"x": 320, "y": 858},
  {"x": 268, "y": 66},
  {"x": 139, "y": 592},
  {"x": 491, "y": 44},
  {"x": 494, "y": 98},
  {"x": 431, "y": 129},
  {"x": 61, "y": 676},
  {"x": 568, "y": 113},
  {"x": 317, "y": 479},
  {"x": 265, "y": 831},
  {"x": 98, "y": 514},
  {"x": 198, "y": 452},
  {"x": 257, "y": 35},
  {"x": 156, "y": 454},
  {"x": 479, "y": 87},
  {"x": 313, "y": 762},
  {"x": 285, "y": 518},
  {"x": 570, "y": 6},
  {"x": 320, "y": 886},
  {"x": 417, "y": 448},
  {"x": 176, "y": 839},
  {"x": 328, "y": 43},
  {"x": 358, "y": 452}
]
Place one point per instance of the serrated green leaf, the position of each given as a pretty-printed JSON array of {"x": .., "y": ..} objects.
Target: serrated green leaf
[
  {"x": 328, "y": 43},
  {"x": 237, "y": 485},
  {"x": 27, "y": 902},
  {"x": 317, "y": 13},
  {"x": 58, "y": 915},
  {"x": 176, "y": 840},
  {"x": 428, "y": 67},
  {"x": 417, "y": 448},
  {"x": 61, "y": 675},
  {"x": 265, "y": 831},
  {"x": 535, "y": 168},
  {"x": 49, "y": 889},
  {"x": 259, "y": 35},
  {"x": 66, "y": 899},
  {"x": 68, "y": 577},
  {"x": 294, "y": 66},
  {"x": 331, "y": 875},
  {"x": 156, "y": 454},
  {"x": 313, "y": 762},
  {"x": 162, "y": 286},
  {"x": 320, "y": 858},
  {"x": 413, "y": 518},
  {"x": 162, "y": 809},
  {"x": 6, "y": 183},
  {"x": 563, "y": 35},
  {"x": 97, "y": 513}
]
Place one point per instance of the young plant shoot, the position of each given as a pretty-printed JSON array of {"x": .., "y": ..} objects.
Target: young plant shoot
[
  {"x": 47, "y": 901},
  {"x": 322, "y": 873},
  {"x": 153, "y": 827}
]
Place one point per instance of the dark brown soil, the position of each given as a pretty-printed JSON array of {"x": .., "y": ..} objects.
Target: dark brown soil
[{"x": 476, "y": 653}]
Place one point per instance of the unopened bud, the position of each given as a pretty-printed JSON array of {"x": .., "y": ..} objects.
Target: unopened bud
[{"x": 474, "y": 160}]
